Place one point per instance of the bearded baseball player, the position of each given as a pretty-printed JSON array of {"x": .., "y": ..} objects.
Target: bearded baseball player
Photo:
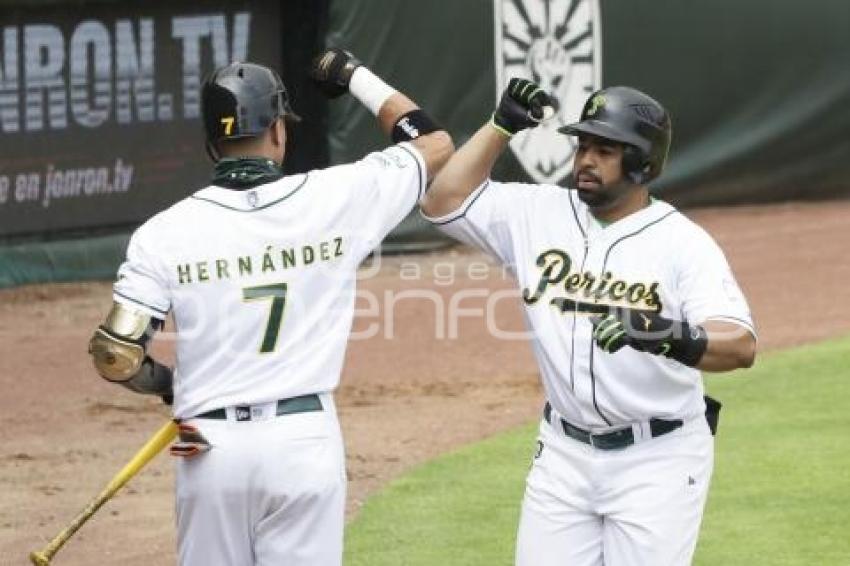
[
  {"x": 628, "y": 302},
  {"x": 258, "y": 272}
]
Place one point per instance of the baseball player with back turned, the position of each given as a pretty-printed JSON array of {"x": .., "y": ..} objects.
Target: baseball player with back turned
[
  {"x": 258, "y": 272},
  {"x": 627, "y": 301}
]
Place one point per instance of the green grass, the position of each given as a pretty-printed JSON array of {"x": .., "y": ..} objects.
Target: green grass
[{"x": 780, "y": 493}]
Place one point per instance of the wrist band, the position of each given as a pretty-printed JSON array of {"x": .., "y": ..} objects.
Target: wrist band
[
  {"x": 412, "y": 125},
  {"x": 690, "y": 346},
  {"x": 369, "y": 89},
  {"x": 501, "y": 129}
]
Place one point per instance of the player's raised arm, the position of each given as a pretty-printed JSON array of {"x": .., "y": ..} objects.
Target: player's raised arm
[
  {"x": 523, "y": 105},
  {"x": 336, "y": 72}
]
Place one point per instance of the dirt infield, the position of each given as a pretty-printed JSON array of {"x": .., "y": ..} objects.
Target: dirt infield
[{"x": 433, "y": 376}]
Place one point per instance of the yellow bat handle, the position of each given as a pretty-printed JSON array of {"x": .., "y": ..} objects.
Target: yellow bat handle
[{"x": 152, "y": 447}]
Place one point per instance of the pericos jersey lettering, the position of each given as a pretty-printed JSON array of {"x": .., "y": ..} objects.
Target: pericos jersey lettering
[{"x": 585, "y": 292}]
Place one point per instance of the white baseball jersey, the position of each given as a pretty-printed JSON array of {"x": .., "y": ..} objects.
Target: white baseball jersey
[
  {"x": 261, "y": 282},
  {"x": 569, "y": 266}
]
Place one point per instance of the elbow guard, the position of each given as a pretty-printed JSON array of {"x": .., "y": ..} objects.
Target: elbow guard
[{"x": 118, "y": 345}]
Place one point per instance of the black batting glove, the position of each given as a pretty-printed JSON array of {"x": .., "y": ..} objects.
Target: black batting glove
[
  {"x": 648, "y": 332},
  {"x": 523, "y": 105},
  {"x": 331, "y": 71}
]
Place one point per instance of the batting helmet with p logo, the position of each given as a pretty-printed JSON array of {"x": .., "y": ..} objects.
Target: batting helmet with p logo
[{"x": 628, "y": 116}]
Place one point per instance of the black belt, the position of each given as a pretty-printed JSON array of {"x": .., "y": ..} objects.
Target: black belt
[
  {"x": 291, "y": 406},
  {"x": 615, "y": 439}
]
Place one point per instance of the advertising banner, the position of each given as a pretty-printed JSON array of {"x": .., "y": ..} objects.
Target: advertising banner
[{"x": 100, "y": 107}]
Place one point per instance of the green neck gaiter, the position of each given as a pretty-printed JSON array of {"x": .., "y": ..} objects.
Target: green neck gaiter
[{"x": 245, "y": 172}]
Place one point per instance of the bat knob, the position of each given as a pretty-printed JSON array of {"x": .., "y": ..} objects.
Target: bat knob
[
  {"x": 39, "y": 559},
  {"x": 547, "y": 113}
]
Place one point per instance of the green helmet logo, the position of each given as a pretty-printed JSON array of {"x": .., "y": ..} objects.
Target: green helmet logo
[{"x": 596, "y": 104}]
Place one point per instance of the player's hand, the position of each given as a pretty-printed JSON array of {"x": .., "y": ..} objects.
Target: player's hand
[
  {"x": 649, "y": 332},
  {"x": 523, "y": 105},
  {"x": 331, "y": 70},
  {"x": 643, "y": 331}
]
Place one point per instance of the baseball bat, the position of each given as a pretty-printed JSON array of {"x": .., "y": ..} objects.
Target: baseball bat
[{"x": 152, "y": 447}]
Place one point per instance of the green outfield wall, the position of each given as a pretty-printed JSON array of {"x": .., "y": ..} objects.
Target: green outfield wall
[{"x": 759, "y": 91}]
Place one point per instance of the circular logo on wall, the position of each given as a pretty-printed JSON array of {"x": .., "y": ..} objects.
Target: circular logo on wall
[{"x": 555, "y": 43}]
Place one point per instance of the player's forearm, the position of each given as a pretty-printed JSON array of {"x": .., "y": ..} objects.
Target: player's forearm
[
  {"x": 336, "y": 71},
  {"x": 396, "y": 106},
  {"x": 153, "y": 378},
  {"x": 119, "y": 352},
  {"x": 714, "y": 345},
  {"x": 523, "y": 105},
  {"x": 465, "y": 171},
  {"x": 730, "y": 347}
]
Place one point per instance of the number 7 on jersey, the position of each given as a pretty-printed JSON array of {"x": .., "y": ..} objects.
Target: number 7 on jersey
[{"x": 277, "y": 294}]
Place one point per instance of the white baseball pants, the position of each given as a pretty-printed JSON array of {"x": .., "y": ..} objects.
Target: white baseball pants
[
  {"x": 637, "y": 506},
  {"x": 269, "y": 493}
]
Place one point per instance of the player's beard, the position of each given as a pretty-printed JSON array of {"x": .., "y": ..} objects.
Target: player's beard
[{"x": 604, "y": 196}]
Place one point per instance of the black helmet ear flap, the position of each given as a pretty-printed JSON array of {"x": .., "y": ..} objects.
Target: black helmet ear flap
[
  {"x": 212, "y": 151},
  {"x": 636, "y": 167},
  {"x": 286, "y": 108}
]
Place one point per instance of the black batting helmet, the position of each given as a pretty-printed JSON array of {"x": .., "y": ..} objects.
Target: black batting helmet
[
  {"x": 626, "y": 115},
  {"x": 241, "y": 100}
]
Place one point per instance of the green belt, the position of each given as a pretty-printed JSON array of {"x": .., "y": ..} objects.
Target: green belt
[{"x": 291, "y": 406}]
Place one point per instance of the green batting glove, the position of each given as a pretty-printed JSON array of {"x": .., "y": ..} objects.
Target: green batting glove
[
  {"x": 523, "y": 105},
  {"x": 649, "y": 332},
  {"x": 609, "y": 333}
]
